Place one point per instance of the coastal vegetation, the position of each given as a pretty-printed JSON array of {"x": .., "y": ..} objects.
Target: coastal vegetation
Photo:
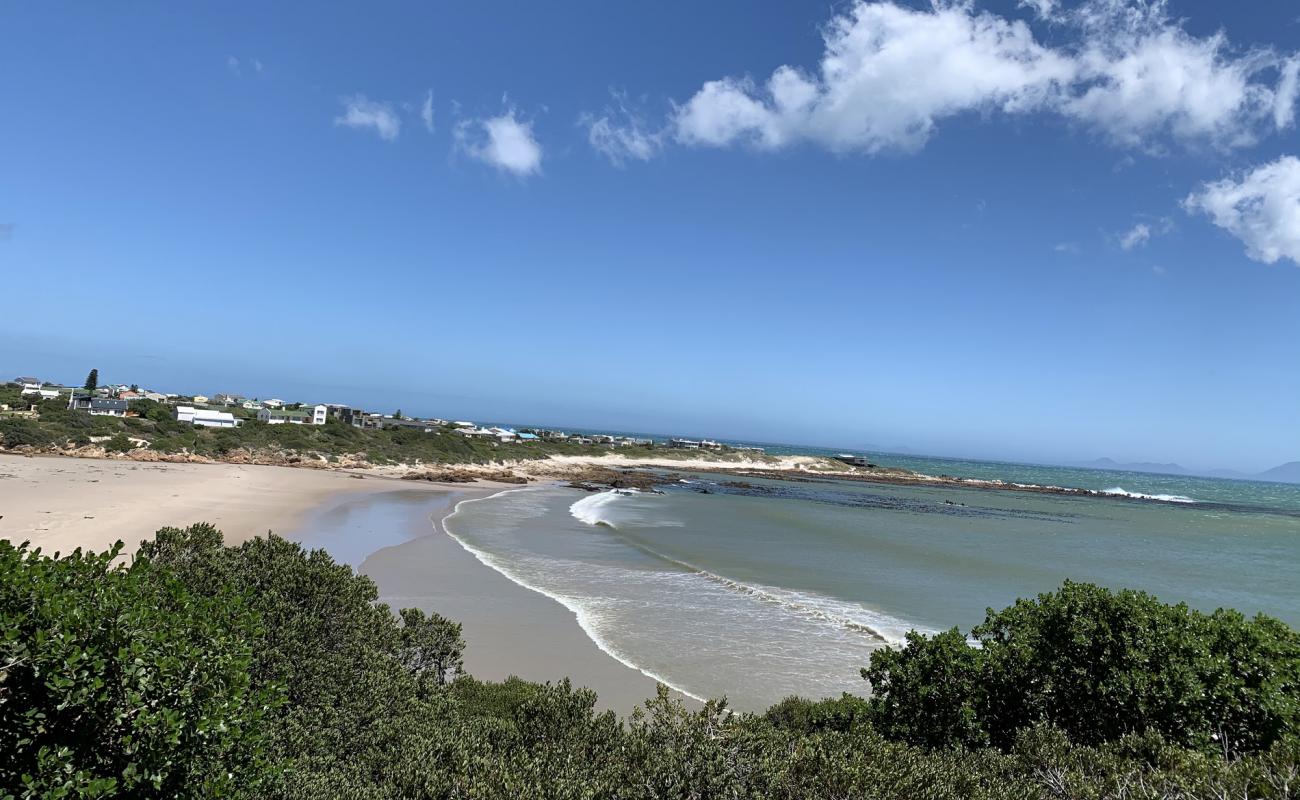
[
  {"x": 153, "y": 427},
  {"x": 265, "y": 670}
]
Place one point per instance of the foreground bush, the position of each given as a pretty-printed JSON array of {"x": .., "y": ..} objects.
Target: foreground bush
[
  {"x": 174, "y": 665},
  {"x": 1099, "y": 665},
  {"x": 117, "y": 681}
]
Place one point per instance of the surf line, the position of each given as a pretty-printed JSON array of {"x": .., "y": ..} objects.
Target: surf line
[{"x": 581, "y": 614}]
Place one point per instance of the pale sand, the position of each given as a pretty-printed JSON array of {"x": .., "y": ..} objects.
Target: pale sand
[{"x": 60, "y": 504}]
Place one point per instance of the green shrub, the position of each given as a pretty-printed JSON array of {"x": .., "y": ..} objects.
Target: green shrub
[
  {"x": 1100, "y": 665},
  {"x": 117, "y": 682}
]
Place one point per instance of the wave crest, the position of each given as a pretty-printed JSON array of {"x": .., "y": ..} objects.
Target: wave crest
[{"x": 1119, "y": 491}]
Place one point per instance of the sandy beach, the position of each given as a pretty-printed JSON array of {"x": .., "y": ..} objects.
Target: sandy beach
[
  {"x": 509, "y": 629},
  {"x": 386, "y": 528},
  {"x": 60, "y": 504}
]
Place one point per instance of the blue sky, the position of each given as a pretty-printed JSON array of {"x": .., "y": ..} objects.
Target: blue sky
[{"x": 1048, "y": 231}]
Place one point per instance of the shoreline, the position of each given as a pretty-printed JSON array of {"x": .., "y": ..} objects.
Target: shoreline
[
  {"x": 510, "y": 629},
  {"x": 61, "y": 504},
  {"x": 566, "y": 467},
  {"x": 578, "y": 613}
]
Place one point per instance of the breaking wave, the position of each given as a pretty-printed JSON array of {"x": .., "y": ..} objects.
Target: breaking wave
[
  {"x": 1119, "y": 491},
  {"x": 593, "y": 510}
]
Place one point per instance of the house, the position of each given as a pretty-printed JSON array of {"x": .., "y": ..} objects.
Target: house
[
  {"x": 684, "y": 444},
  {"x": 98, "y": 406},
  {"x": 504, "y": 434},
  {"x": 252, "y": 405},
  {"x": 314, "y": 415},
  {"x": 281, "y": 416},
  {"x": 476, "y": 433},
  {"x": 26, "y": 379},
  {"x": 45, "y": 392},
  {"x": 201, "y": 399},
  {"x": 356, "y": 417},
  {"x": 129, "y": 395},
  {"x": 273, "y": 403},
  {"x": 206, "y": 417},
  {"x": 157, "y": 397},
  {"x": 529, "y": 437}
]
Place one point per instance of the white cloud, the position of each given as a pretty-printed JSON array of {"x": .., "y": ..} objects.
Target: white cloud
[
  {"x": 1067, "y": 247},
  {"x": 1288, "y": 87},
  {"x": 1046, "y": 9},
  {"x": 1261, "y": 208},
  {"x": 620, "y": 134},
  {"x": 505, "y": 142},
  {"x": 1143, "y": 232},
  {"x": 1140, "y": 75},
  {"x": 889, "y": 74},
  {"x": 359, "y": 112},
  {"x": 1140, "y": 234},
  {"x": 257, "y": 64},
  {"x": 426, "y": 111},
  {"x": 232, "y": 64}
]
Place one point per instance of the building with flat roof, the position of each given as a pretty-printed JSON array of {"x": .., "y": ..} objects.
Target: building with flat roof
[{"x": 206, "y": 417}]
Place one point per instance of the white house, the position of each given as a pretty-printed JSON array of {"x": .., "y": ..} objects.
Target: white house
[
  {"x": 273, "y": 403},
  {"x": 45, "y": 392},
  {"x": 476, "y": 433},
  {"x": 315, "y": 415},
  {"x": 205, "y": 417},
  {"x": 251, "y": 405}
]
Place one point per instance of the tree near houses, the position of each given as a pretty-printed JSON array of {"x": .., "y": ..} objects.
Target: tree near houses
[{"x": 92, "y": 380}]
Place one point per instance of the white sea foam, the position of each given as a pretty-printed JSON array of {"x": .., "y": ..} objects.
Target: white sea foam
[
  {"x": 582, "y": 614},
  {"x": 1119, "y": 491},
  {"x": 594, "y": 510}
]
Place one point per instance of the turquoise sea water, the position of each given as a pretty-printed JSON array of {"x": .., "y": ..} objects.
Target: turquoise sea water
[{"x": 786, "y": 588}]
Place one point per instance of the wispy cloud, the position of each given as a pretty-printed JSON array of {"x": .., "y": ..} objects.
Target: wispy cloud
[
  {"x": 426, "y": 111},
  {"x": 1067, "y": 247},
  {"x": 1143, "y": 232},
  {"x": 362, "y": 113},
  {"x": 1260, "y": 207},
  {"x": 233, "y": 65},
  {"x": 504, "y": 141},
  {"x": 621, "y": 134}
]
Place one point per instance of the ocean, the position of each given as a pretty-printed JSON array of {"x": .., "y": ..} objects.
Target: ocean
[{"x": 778, "y": 588}]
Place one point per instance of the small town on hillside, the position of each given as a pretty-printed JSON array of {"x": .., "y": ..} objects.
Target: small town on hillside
[{"x": 228, "y": 410}]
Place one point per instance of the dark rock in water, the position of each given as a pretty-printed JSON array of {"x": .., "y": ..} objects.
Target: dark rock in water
[{"x": 595, "y": 479}]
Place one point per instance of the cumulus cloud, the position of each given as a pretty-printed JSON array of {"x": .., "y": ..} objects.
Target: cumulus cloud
[
  {"x": 505, "y": 142},
  {"x": 426, "y": 111},
  {"x": 889, "y": 74},
  {"x": 1260, "y": 207},
  {"x": 361, "y": 113},
  {"x": 620, "y": 134}
]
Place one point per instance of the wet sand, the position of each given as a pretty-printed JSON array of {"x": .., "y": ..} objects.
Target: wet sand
[{"x": 508, "y": 629}]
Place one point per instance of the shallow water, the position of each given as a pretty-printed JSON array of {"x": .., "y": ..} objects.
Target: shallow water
[{"x": 786, "y": 588}]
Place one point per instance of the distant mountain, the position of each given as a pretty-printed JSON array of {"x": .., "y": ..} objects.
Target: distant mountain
[
  {"x": 1286, "y": 473},
  {"x": 1136, "y": 466}
]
